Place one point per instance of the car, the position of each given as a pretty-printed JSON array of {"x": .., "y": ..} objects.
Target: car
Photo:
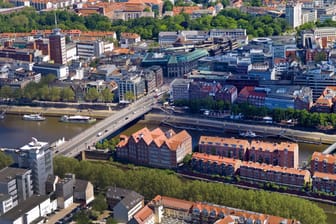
[
  {"x": 126, "y": 118},
  {"x": 99, "y": 134},
  {"x": 106, "y": 130}
]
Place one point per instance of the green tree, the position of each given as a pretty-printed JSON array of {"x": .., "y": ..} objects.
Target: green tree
[
  {"x": 92, "y": 95},
  {"x": 167, "y": 6},
  {"x": 6, "y": 92},
  {"x": 107, "y": 95},
  {"x": 5, "y": 160},
  {"x": 99, "y": 204},
  {"x": 67, "y": 94},
  {"x": 48, "y": 79},
  {"x": 129, "y": 96},
  {"x": 54, "y": 94}
]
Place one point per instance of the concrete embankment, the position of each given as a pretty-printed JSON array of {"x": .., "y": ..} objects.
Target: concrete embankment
[{"x": 56, "y": 112}]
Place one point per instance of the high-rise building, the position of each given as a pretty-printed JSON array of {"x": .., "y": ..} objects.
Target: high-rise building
[
  {"x": 294, "y": 14},
  {"x": 57, "y": 47},
  {"x": 36, "y": 156}
]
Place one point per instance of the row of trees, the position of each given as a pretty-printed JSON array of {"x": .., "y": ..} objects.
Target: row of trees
[
  {"x": 5, "y": 160},
  {"x": 303, "y": 117},
  {"x": 108, "y": 144},
  {"x": 151, "y": 182},
  {"x": 148, "y": 28},
  {"x": 44, "y": 91}
]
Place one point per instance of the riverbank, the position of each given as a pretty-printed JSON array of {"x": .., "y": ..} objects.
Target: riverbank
[{"x": 55, "y": 112}]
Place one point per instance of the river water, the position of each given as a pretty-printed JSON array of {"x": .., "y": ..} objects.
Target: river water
[{"x": 15, "y": 132}]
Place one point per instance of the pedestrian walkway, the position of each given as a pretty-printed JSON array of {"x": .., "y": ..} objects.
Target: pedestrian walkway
[{"x": 62, "y": 213}]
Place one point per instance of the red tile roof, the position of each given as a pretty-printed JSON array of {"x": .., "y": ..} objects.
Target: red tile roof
[
  {"x": 231, "y": 142},
  {"x": 280, "y": 169},
  {"x": 272, "y": 146},
  {"x": 214, "y": 158},
  {"x": 318, "y": 156},
  {"x": 325, "y": 176}
]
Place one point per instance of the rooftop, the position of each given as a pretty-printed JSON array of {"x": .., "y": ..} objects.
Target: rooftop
[
  {"x": 24, "y": 207},
  {"x": 214, "y": 158},
  {"x": 34, "y": 145},
  {"x": 9, "y": 173},
  {"x": 318, "y": 156},
  {"x": 228, "y": 142},
  {"x": 325, "y": 176},
  {"x": 278, "y": 169}
]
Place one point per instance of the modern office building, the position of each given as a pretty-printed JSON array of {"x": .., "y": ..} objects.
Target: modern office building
[
  {"x": 36, "y": 156},
  {"x": 57, "y": 47},
  {"x": 294, "y": 14}
]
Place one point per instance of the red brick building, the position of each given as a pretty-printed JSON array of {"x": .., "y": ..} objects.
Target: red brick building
[
  {"x": 213, "y": 164},
  {"x": 155, "y": 148},
  {"x": 324, "y": 182},
  {"x": 324, "y": 163},
  {"x": 290, "y": 177},
  {"x": 227, "y": 147},
  {"x": 285, "y": 154}
]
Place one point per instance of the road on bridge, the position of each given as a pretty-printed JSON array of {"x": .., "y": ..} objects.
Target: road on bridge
[{"x": 106, "y": 127}]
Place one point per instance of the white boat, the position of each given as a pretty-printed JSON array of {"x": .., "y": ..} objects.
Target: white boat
[
  {"x": 77, "y": 119},
  {"x": 249, "y": 134},
  {"x": 33, "y": 117},
  {"x": 2, "y": 115}
]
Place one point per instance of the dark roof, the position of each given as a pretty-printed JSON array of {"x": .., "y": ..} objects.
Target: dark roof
[
  {"x": 9, "y": 173},
  {"x": 128, "y": 198},
  {"x": 23, "y": 207},
  {"x": 80, "y": 185}
]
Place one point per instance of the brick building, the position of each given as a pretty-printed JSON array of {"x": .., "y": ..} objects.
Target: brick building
[
  {"x": 324, "y": 182},
  {"x": 213, "y": 164},
  {"x": 285, "y": 154},
  {"x": 290, "y": 177},
  {"x": 228, "y": 147},
  {"x": 155, "y": 148},
  {"x": 324, "y": 163}
]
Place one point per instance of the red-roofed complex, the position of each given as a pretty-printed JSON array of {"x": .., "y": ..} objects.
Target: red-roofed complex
[
  {"x": 285, "y": 154},
  {"x": 212, "y": 164},
  {"x": 324, "y": 182},
  {"x": 155, "y": 148},
  {"x": 326, "y": 102},
  {"x": 290, "y": 177},
  {"x": 172, "y": 210},
  {"x": 249, "y": 95},
  {"x": 324, "y": 163},
  {"x": 228, "y": 147}
]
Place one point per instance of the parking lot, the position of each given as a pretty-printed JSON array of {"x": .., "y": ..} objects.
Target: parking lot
[{"x": 61, "y": 214}]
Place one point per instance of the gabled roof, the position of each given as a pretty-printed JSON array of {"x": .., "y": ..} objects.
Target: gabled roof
[{"x": 157, "y": 137}]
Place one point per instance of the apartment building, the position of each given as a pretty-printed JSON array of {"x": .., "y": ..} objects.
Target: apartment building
[
  {"x": 214, "y": 164},
  {"x": 326, "y": 102},
  {"x": 164, "y": 209},
  {"x": 263, "y": 173},
  {"x": 227, "y": 147},
  {"x": 129, "y": 39},
  {"x": 155, "y": 148},
  {"x": 324, "y": 163},
  {"x": 284, "y": 154},
  {"x": 324, "y": 182}
]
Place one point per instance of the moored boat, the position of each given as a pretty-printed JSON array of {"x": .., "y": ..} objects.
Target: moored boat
[
  {"x": 33, "y": 117},
  {"x": 77, "y": 119},
  {"x": 249, "y": 134}
]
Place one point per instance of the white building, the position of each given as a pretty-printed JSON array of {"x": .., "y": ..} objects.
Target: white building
[{"x": 294, "y": 14}]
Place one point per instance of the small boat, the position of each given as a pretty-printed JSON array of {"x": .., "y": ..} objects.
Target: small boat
[
  {"x": 2, "y": 115},
  {"x": 249, "y": 134},
  {"x": 77, "y": 119},
  {"x": 33, "y": 117}
]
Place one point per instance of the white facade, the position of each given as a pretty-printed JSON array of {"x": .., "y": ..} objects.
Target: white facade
[
  {"x": 294, "y": 14},
  {"x": 71, "y": 53},
  {"x": 108, "y": 47}
]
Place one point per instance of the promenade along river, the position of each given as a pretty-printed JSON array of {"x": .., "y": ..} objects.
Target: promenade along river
[{"x": 15, "y": 132}]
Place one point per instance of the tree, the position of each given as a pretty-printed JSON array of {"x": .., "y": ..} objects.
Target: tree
[
  {"x": 67, "y": 94},
  {"x": 48, "y": 79},
  {"x": 54, "y": 94},
  {"x": 129, "y": 96},
  {"x": 107, "y": 95},
  {"x": 5, "y": 160},
  {"x": 92, "y": 95},
  {"x": 99, "y": 204},
  {"x": 167, "y": 6},
  {"x": 6, "y": 92}
]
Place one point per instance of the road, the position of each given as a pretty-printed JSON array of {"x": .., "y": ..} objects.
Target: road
[
  {"x": 263, "y": 130},
  {"x": 106, "y": 127}
]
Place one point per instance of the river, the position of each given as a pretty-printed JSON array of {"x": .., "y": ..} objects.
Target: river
[{"x": 15, "y": 132}]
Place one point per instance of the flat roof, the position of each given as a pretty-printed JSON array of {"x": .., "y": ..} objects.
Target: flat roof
[
  {"x": 23, "y": 207},
  {"x": 34, "y": 145},
  {"x": 9, "y": 173}
]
